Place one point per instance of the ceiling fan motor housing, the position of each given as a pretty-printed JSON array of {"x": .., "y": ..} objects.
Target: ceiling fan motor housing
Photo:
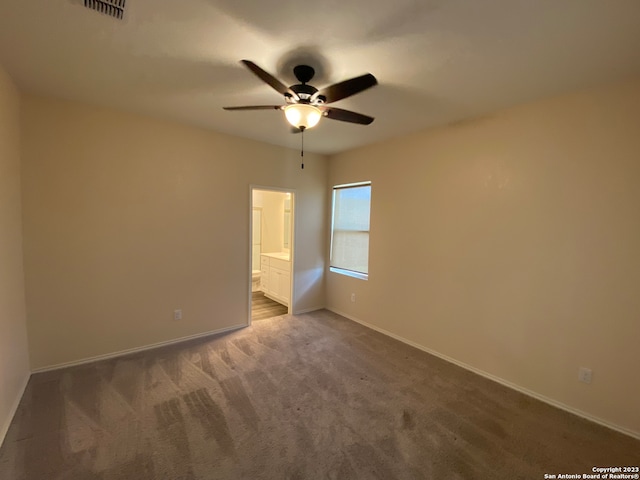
[{"x": 304, "y": 92}]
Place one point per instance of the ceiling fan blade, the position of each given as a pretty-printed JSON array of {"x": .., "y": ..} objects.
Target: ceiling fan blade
[
  {"x": 270, "y": 80},
  {"x": 256, "y": 107},
  {"x": 295, "y": 130},
  {"x": 345, "y": 89},
  {"x": 346, "y": 115}
]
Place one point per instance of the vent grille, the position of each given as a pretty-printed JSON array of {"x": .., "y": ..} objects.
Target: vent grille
[{"x": 113, "y": 8}]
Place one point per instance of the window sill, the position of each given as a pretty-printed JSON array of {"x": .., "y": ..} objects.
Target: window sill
[{"x": 349, "y": 273}]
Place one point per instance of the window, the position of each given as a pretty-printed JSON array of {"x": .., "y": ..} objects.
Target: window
[{"x": 350, "y": 230}]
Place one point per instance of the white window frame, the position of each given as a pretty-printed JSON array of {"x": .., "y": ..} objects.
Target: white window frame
[{"x": 343, "y": 271}]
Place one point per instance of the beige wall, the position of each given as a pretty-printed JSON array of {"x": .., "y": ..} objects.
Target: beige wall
[
  {"x": 14, "y": 360},
  {"x": 512, "y": 244},
  {"x": 128, "y": 218}
]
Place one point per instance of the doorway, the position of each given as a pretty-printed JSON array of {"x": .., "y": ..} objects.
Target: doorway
[{"x": 272, "y": 246}]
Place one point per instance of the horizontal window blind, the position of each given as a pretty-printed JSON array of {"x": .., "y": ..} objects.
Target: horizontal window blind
[{"x": 350, "y": 229}]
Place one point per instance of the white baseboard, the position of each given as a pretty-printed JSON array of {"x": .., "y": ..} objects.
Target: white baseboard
[
  {"x": 14, "y": 409},
  {"x": 136, "y": 349},
  {"x": 307, "y": 310},
  {"x": 499, "y": 380}
]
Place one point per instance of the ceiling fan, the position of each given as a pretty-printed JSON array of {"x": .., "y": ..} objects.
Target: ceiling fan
[{"x": 305, "y": 104}]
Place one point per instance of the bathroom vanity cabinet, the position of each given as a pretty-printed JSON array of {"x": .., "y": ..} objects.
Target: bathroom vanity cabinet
[{"x": 275, "y": 276}]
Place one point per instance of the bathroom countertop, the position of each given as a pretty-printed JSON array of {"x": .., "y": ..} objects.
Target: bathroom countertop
[{"x": 280, "y": 255}]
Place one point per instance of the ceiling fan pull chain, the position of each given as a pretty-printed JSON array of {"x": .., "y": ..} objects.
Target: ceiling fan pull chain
[{"x": 302, "y": 149}]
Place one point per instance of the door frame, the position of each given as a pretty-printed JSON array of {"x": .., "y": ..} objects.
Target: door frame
[{"x": 292, "y": 245}]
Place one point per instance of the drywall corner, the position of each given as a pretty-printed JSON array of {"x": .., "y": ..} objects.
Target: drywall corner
[{"x": 14, "y": 360}]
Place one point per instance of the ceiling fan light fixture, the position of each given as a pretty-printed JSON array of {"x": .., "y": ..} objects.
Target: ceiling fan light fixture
[{"x": 302, "y": 116}]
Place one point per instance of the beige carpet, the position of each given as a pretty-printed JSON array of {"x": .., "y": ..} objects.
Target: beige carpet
[{"x": 297, "y": 397}]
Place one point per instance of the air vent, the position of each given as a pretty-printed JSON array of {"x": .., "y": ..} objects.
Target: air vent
[{"x": 113, "y": 8}]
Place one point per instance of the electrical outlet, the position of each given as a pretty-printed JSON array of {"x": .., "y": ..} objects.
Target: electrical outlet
[
  {"x": 584, "y": 374},
  {"x": 177, "y": 314},
  {"x": 353, "y": 297}
]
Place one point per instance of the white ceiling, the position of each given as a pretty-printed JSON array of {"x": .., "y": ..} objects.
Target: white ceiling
[{"x": 437, "y": 61}]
